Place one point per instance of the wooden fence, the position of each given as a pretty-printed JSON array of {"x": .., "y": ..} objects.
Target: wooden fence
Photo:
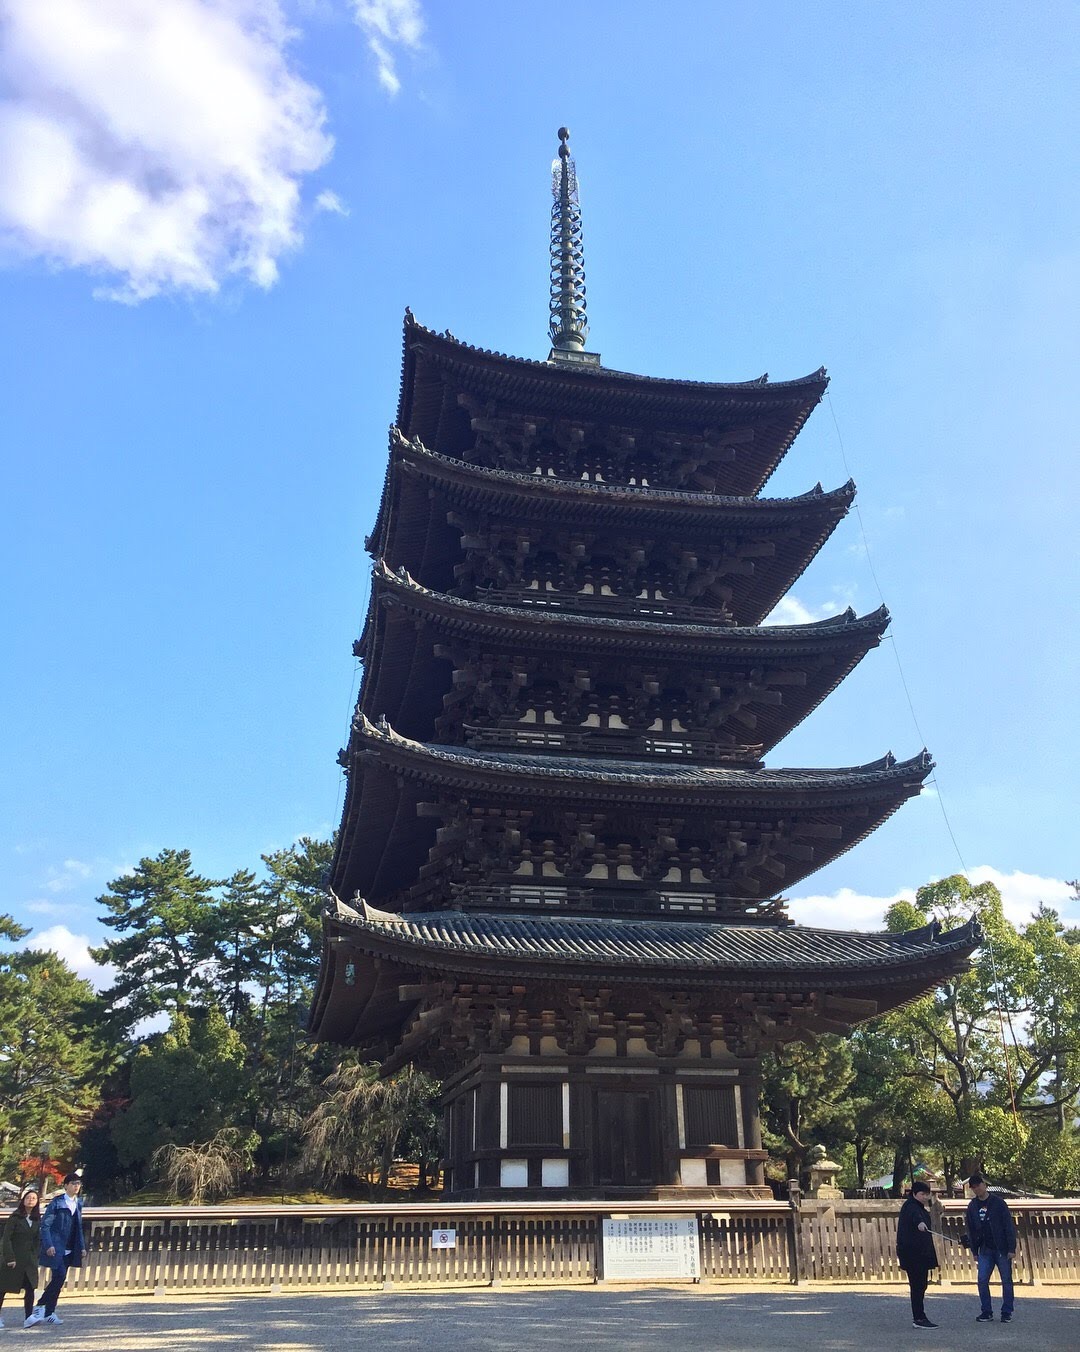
[{"x": 206, "y": 1249}]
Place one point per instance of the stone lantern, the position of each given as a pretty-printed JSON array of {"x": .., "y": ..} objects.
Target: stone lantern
[{"x": 823, "y": 1173}]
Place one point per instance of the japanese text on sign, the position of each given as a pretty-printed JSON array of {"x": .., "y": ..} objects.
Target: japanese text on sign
[{"x": 656, "y": 1248}]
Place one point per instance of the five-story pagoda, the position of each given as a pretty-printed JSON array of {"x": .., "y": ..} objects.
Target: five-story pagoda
[{"x": 557, "y": 871}]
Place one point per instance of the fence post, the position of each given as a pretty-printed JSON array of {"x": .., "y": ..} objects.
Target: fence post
[
  {"x": 497, "y": 1250},
  {"x": 793, "y": 1232},
  {"x": 161, "y": 1258}
]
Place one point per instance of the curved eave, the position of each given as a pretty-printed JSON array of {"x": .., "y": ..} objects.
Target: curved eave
[
  {"x": 412, "y": 531},
  {"x": 384, "y": 841},
  {"x": 516, "y": 774},
  {"x": 383, "y": 948},
  {"x": 778, "y": 409},
  {"x": 542, "y": 629},
  {"x": 564, "y": 375},
  {"x": 407, "y": 683},
  {"x": 534, "y": 495}
]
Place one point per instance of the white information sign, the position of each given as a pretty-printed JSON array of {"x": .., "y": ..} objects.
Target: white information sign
[
  {"x": 444, "y": 1239},
  {"x": 651, "y": 1248}
]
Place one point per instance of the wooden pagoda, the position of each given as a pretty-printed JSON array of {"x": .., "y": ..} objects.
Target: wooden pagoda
[{"x": 557, "y": 875}]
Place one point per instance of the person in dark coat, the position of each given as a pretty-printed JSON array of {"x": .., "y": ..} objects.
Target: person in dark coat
[
  {"x": 915, "y": 1249},
  {"x": 991, "y": 1237},
  {"x": 19, "y": 1251},
  {"x": 62, "y": 1247}
]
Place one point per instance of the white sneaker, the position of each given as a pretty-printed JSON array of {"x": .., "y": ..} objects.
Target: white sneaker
[
  {"x": 35, "y": 1318},
  {"x": 53, "y": 1318}
]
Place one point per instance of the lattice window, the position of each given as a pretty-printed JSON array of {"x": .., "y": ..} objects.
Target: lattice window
[
  {"x": 534, "y": 1114},
  {"x": 710, "y": 1115}
]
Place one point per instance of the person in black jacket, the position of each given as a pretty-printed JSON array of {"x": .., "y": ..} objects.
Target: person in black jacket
[
  {"x": 991, "y": 1237},
  {"x": 19, "y": 1251},
  {"x": 915, "y": 1249}
]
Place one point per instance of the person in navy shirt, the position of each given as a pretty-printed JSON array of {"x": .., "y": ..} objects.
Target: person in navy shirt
[
  {"x": 991, "y": 1237},
  {"x": 62, "y": 1247}
]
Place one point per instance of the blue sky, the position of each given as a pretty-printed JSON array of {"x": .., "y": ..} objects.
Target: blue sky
[{"x": 210, "y": 225}]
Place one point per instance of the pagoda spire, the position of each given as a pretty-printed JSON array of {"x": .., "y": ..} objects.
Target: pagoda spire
[{"x": 568, "y": 327}]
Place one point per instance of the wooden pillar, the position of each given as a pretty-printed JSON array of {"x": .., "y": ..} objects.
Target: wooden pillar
[{"x": 750, "y": 1092}]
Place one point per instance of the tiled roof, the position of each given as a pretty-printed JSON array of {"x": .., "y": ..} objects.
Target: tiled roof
[
  {"x": 543, "y": 488},
  {"x": 700, "y": 945},
  {"x": 757, "y": 639},
  {"x": 816, "y": 380},
  {"x": 646, "y": 774},
  {"x": 436, "y": 366}
]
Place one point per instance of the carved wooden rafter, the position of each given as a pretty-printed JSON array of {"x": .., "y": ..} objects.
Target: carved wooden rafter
[
  {"x": 544, "y": 556},
  {"x": 570, "y": 449},
  {"x": 452, "y": 1021},
  {"x": 498, "y": 690},
  {"x": 494, "y": 846}
]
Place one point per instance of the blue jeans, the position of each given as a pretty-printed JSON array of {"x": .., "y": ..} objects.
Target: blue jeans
[
  {"x": 989, "y": 1259},
  {"x": 58, "y": 1277}
]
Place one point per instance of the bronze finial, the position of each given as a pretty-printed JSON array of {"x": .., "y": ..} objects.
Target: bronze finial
[{"x": 568, "y": 327}]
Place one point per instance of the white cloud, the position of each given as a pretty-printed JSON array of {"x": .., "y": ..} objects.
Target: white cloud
[
  {"x": 159, "y": 144},
  {"x": 388, "y": 24},
  {"x": 42, "y": 907},
  {"x": 1022, "y": 892},
  {"x": 790, "y": 610},
  {"x": 330, "y": 201},
  {"x": 1020, "y": 896},
  {"x": 68, "y": 875},
  {"x": 846, "y": 909},
  {"x": 75, "y": 951}
]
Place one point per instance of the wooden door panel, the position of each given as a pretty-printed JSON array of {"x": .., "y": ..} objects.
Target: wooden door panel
[{"x": 625, "y": 1151}]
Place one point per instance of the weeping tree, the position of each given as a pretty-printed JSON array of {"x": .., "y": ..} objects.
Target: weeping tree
[
  {"x": 362, "y": 1123},
  {"x": 202, "y": 1172}
]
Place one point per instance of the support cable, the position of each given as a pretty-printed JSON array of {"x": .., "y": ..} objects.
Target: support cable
[
  {"x": 1002, "y": 1014},
  {"x": 895, "y": 647}
]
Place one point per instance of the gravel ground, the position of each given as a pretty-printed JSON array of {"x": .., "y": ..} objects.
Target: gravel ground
[{"x": 675, "y": 1319}]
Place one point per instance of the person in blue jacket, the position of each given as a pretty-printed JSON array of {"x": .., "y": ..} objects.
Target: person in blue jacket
[
  {"x": 991, "y": 1237},
  {"x": 62, "y": 1246}
]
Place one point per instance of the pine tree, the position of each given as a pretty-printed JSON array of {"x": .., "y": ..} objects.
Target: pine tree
[
  {"x": 165, "y": 911},
  {"x": 53, "y": 1056}
]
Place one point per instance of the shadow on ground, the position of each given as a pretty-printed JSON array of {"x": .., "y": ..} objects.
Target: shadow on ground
[{"x": 574, "y": 1320}]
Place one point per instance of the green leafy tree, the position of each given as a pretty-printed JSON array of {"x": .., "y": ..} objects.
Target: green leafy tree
[
  {"x": 948, "y": 1043},
  {"x": 1052, "y": 1157},
  {"x": 421, "y": 1141},
  {"x": 806, "y": 1098},
  {"x": 985, "y": 1067},
  {"x": 882, "y": 1107},
  {"x": 1049, "y": 1007},
  {"x": 52, "y": 1053},
  {"x": 186, "y": 1086},
  {"x": 164, "y": 913}
]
